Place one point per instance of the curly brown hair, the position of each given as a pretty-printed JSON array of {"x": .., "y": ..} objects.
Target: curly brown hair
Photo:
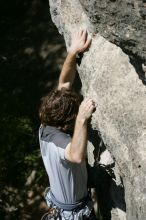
[{"x": 59, "y": 108}]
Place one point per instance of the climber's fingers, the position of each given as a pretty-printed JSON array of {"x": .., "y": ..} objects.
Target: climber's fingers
[
  {"x": 84, "y": 34},
  {"x": 81, "y": 32},
  {"x": 87, "y": 43}
]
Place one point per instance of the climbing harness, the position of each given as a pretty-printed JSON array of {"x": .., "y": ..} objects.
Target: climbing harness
[{"x": 58, "y": 211}]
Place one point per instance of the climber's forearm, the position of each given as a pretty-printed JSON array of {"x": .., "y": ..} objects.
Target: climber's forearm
[
  {"x": 76, "y": 150},
  {"x": 68, "y": 72},
  {"x": 79, "y": 43}
]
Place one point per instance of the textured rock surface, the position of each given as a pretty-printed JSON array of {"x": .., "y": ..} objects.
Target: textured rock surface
[
  {"x": 108, "y": 76},
  {"x": 121, "y": 22}
]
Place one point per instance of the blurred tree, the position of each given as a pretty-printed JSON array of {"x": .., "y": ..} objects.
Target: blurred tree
[{"x": 31, "y": 54}]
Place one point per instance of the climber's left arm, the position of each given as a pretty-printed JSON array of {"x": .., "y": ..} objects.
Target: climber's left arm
[{"x": 79, "y": 43}]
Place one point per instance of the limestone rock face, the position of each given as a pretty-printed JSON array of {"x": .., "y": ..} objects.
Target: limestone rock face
[{"x": 108, "y": 76}]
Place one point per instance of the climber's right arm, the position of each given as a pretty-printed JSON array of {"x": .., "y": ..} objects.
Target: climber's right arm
[{"x": 76, "y": 151}]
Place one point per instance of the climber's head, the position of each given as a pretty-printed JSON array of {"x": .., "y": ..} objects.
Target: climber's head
[{"x": 59, "y": 108}]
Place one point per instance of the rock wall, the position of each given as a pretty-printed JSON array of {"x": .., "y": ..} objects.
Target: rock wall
[
  {"x": 110, "y": 73},
  {"x": 121, "y": 22}
]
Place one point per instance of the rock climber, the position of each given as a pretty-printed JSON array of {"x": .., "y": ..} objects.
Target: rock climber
[{"x": 63, "y": 141}]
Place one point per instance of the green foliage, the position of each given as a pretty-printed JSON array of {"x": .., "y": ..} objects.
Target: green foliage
[
  {"x": 19, "y": 157},
  {"x": 16, "y": 141}
]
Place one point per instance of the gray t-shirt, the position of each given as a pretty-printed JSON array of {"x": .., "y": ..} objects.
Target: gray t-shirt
[{"x": 68, "y": 181}]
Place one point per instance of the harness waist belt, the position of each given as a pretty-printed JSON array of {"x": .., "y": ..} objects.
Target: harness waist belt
[{"x": 70, "y": 207}]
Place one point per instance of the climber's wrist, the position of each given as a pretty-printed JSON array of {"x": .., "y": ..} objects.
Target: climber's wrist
[{"x": 72, "y": 52}]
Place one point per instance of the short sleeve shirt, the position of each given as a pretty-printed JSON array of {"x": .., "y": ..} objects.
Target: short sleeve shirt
[{"x": 68, "y": 181}]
